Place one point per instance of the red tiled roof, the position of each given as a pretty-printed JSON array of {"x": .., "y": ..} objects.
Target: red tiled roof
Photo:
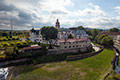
[
  {"x": 29, "y": 48},
  {"x": 110, "y": 33},
  {"x": 73, "y": 40},
  {"x": 36, "y": 47}
]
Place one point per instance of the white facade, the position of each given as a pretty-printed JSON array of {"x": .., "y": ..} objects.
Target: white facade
[
  {"x": 117, "y": 41},
  {"x": 75, "y": 33},
  {"x": 79, "y": 33},
  {"x": 35, "y": 36},
  {"x": 81, "y": 44}
]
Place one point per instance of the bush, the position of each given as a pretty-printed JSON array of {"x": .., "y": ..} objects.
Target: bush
[
  {"x": 3, "y": 39},
  {"x": 12, "y": 43},
  {"x": 9, "y": 51},
  {"x": 19, "y": 43},
  {"x": 5, "y": 44},
  {"x": 1, "y": 45},
  {"x": 28, "y": 41}
]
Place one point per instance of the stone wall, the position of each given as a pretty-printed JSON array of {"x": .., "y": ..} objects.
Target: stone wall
[{"x": 81, "y": 56}]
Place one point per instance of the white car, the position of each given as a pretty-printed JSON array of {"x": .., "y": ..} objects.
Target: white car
[{"x": 3, "y": 73}]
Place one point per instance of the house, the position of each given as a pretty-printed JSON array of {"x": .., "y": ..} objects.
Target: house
[
  {"x": 63, "y": 35},
  {"x": 117, "y": 42},
  {"x": 111, "y": 34},
  {"x": 78, "y": 33},
  {"x": 71, "y": 46},
  {"x": 31, "y": 48},
  {"x": 82, "y": 44},
  {"x": 74, "y": 32},
  {"x": 35, "y": 35}
]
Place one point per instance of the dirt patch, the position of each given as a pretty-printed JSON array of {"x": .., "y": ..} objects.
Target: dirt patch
[
  {"x": 54, "y": 68},
  {"x": 64, "y": 62},
  {"x": 78, "y": 71},
  {"x": 82, "y": 73},
  {"x": 91, "y": 69}
]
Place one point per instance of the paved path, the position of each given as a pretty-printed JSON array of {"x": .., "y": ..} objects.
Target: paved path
[{"x": 95, "y": 47}]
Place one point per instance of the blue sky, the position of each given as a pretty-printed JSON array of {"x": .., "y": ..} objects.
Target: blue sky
[{"x": 25, "y": 14}]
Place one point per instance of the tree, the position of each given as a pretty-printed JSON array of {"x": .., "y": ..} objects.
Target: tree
[
  {"x": 80, "y": 28},
  {"x": 4, "y": 34},
  {"x": 70, "y": 36},
  {"x": 49, "y": 32},
  {"x": 94, "y": 32},
  {"x": 16, "y": 50},
  {"x": 99, "y": 37},
  {"x": 107, "y": 41},
  {"x": 104, "y": 40},
  {"x": 114, "y": 30}
]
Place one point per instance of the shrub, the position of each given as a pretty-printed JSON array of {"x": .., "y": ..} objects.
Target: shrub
[
  {"x": 4, "y": 39},
  {"x": 5, "y": 44},
  {"x": 1, "y": 45},
  {"x": 9, "y": 51},
  {"x": 19, "y": 43},
  {"x": 12, "y": 43}
]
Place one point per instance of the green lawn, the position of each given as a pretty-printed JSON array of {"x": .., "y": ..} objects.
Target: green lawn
[
  {"x": 92, "y": 68},
  {"x": 113, "y": 75}
]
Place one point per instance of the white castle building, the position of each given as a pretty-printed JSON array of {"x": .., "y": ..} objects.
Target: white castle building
[
  {"x": 74, "y": 32},
  {"x": 35, "y": 35}
]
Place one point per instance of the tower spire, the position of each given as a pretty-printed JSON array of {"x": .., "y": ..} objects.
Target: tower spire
[{"x": 57, "y": 25}]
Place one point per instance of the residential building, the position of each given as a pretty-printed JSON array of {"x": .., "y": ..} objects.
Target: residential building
[
  {"x": 111, "y": 34},
  {"x": 117, "y": 42},
  {"x": 31, "y": 48},
  {"x": 78, "y": 33},
  {"x": 83, "y": 44},
  {"x": 35, "y": 35},
  {"x": 74, "y": 32}
]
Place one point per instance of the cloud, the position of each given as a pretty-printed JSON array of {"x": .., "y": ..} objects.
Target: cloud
[
  {"x": 6, "y": 7},
  {"x": 117, "y": 9},
  {"x": 19, "y": 17},
  {"x": 26, "y": 14}
]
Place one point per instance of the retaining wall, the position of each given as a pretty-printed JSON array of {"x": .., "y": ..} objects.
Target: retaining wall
[{"x": 81, "y": 56}]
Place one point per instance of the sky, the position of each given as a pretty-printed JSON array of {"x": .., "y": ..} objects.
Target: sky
[{"x": 26, "y": 14}]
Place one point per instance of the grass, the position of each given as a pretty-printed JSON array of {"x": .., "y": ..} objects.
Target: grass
[
  {"x": 113, "y": 75},
  {"x": 2, "y": 55},
  {"x": 92, "y": 68}
]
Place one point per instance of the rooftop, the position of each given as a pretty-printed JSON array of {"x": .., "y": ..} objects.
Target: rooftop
[
  {"x": 31, "y": 47},
  {"x": 111, "y": 33},
  {"x": 73, "y": 40}
]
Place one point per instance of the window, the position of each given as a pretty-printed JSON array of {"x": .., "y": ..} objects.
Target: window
[
  {"x": 77, "y": 46},
  {"x": 69, "y": 46},
  {"x": 73, "y": 46},
  {"x": 65, "y": 47}
]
